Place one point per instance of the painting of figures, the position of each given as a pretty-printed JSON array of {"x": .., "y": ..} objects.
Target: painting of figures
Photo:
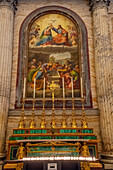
[
  {"x": 53, "y": 55},
  {"x": 53, "y": 29}
]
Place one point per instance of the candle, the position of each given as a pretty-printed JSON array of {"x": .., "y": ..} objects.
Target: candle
[
  {"x": 24, "y": 88},
  {"x": 34, "y": 87},
  {"x": 44, "y": 89},
  {"x": 81, "y": 89},
  {"x": 63, "y": 87},
  {"x": 72, "y": 87}
]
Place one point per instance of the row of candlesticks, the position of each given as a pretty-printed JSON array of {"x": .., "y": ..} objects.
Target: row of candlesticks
[
  {"x": 32, "y": 122},
  {"x": 55, "y": 85}
]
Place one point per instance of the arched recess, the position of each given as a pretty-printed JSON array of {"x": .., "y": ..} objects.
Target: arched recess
[{"x": 84, "y": 56}]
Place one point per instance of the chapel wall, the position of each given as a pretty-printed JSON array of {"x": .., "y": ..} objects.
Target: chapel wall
[{"x": 25, "y": 7}]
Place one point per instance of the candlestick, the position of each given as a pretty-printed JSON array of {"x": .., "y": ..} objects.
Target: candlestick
[
  {"x": 81, "y": 89},
  {"x": 43, "y": 122},
  {"x": 24, "y": 88},
  {"x": 34, "y": 87},
  {"x": 63, "y": 87},
  {"x": 22, "y": 121},
  {"x": 72, "y": 87},
  {"x": 44, "y": 89}
]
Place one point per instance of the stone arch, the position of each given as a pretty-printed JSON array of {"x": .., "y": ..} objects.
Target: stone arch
[{"x": 23, "y": 48}]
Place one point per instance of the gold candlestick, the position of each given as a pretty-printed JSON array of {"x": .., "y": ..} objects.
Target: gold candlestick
[
  {"x": 84, "y": 123},
  {"x": 43, "y": 123},
  {"x": 73, "y": 122},
  {"x": 53, "y": 122},
  {"x": 64, "y": 117},
  {"x": 21, "y": 121},
  {"x": 32, "y": 123},
  {"x": 53, "y": 86}
]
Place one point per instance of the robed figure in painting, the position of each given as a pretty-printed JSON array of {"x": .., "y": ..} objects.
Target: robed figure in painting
[
  {"x": 46, "y": 37},
  {"x": 62, "y": 36},
  {"x": 39, "y": 76}
]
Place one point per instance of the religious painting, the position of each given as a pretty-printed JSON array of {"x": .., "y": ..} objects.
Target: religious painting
[{"x": 53, "y": 55}]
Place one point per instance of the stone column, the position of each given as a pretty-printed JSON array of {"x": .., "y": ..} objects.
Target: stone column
[
  {"x": 7, "y": 8},
  {"x": 104, "y": 73}
]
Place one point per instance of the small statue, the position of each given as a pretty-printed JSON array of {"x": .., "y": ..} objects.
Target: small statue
[
  {"x": 21, "y": 152},
  {"x": 85, "y": 150}
]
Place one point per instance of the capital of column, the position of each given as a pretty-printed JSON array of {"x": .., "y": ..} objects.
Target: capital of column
[
  {"x": 98, "y": 3},
  {"x": 10, "y": 3}
]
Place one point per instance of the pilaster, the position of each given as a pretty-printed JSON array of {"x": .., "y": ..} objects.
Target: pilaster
[
  {"x": 104, "y": 73},
  {"x": 7, "y": 8}
]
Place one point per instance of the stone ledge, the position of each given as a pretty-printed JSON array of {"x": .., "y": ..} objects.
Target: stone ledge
[{"x": 78, "y": 112}]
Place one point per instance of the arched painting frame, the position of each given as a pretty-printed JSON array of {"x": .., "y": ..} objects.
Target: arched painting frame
[{"x": 83, "y": 56}]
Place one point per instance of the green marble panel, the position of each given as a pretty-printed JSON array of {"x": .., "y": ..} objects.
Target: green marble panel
[
  {"x": 51, "y": 148},
  {"x": 89, "y": 137},
  {"x": 68, "y": 131},
  {"x": 52, "y": 151},
  {"x": 16, "y": 138},
  {"x": 39, "y": 137},
  {"x": 67, "y": 137},
  {"x": 38, "y": 131},
  {"x": 19, "y": 131},
  {"x": 87, "y": 131}
]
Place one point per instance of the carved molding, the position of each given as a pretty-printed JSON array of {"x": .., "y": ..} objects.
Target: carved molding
[
  {"x": 11, "y": 3},
  {"x": 98, "y": 3}
]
